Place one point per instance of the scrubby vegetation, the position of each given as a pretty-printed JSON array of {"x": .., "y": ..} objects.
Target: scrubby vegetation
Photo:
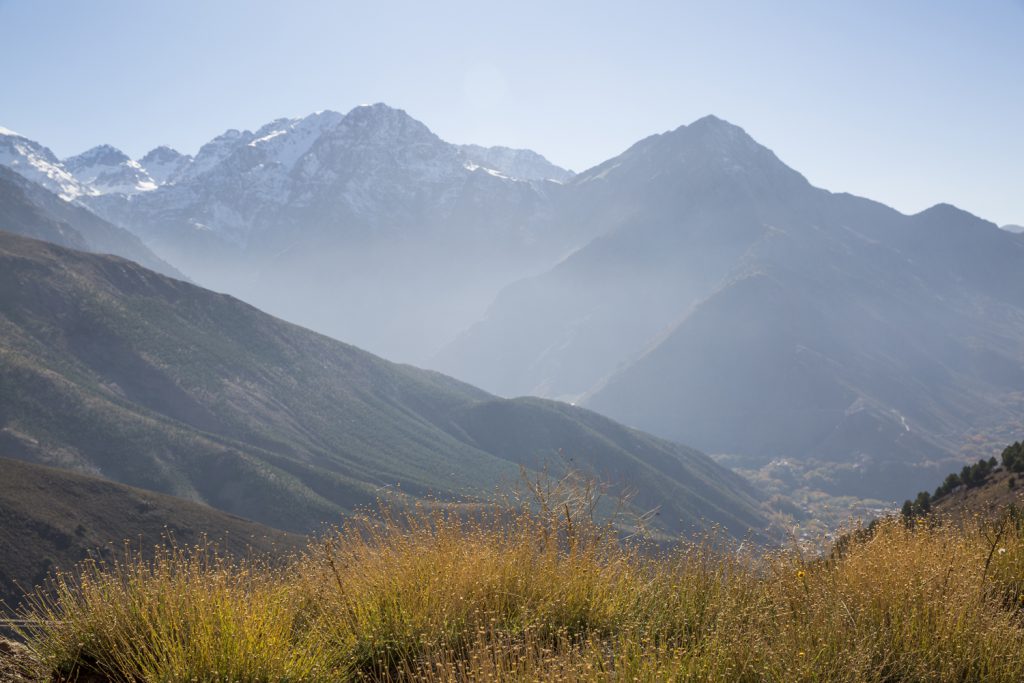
[
  {"x": 969, "y": 477},
  {"x": 545, "y": 593}
]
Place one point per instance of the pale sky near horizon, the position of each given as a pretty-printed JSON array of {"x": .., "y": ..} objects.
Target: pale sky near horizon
[{"x": 911, "y": 103}]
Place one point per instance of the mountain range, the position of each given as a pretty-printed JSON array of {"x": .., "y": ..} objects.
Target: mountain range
[
  {"x": 365, "y": 226},
  {"x": 693, "y": 286}
]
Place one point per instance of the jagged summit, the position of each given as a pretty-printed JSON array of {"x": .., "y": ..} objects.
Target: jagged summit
[
  {"x": 377, "y": 109},
  {"x": 164, "y": 163},
  {"x": 286, "y": 144},
  {"x": 216, "y": 151},
  {"x": 382, "y": 122},
  {"x": 106, "y": 169},
  {"x": 285, "y": 141},
  {"x": 100, "y": 154},
  {"x": 161, "y": 153}
]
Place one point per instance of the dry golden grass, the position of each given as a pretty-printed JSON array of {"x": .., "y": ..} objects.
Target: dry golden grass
[{"x": 549, "y": 596}]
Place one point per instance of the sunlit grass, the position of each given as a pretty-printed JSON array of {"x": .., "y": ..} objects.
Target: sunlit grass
[{"x": 549, "y": 595}]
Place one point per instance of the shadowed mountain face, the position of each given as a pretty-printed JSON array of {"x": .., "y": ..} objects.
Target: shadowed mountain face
[
  {"x": 51, "y": 519},
  {"x": 112, "y": 369},
  {"x": 730, "y": 304},
  {"x": 675, "y": 213}
]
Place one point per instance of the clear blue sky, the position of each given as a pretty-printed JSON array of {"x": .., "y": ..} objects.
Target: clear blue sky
[{"x": 909, "y": 102}]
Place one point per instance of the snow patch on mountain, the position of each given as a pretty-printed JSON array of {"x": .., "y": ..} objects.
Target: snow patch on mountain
[
  {"x": 470, "y": 166},
  {"x": 214, "y": 152},
  {"x": 164, "y": 164},
  {"x": 285, "y": 141},
  {"x": 375, "y": 170},
  {"x": 40, "y": 165},
  {"x": 522, "y": 164}
]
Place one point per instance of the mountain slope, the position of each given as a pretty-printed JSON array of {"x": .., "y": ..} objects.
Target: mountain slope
[
  {"x": 116, "y": 370},
  {"x": 38, "y": 164},
  {"x": 50, "y": 519},
  {"x": 30, "y": 210},
  {"x": 729, "y": 304}
]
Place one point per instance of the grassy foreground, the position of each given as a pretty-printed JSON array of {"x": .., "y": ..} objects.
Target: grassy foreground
[{"x": 550, "y": 596}]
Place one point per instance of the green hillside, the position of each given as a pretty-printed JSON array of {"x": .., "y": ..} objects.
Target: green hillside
[{"x": 109, "y": 368}]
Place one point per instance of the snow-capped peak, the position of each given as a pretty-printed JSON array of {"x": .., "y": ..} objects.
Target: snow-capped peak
[
  {"x": 375, "y": 165},
  {"x": 285, "y": 141},
  {"x": 37, "y": 163},
  {"x": 105, "y": 155},
  {"x": 164, "y": 164},
  {"x": 381, "y": 123},
  {"x": 215, "y": 151},
  {"x": 372, "y": 145},
  {"x": 107, "y": 170}
]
